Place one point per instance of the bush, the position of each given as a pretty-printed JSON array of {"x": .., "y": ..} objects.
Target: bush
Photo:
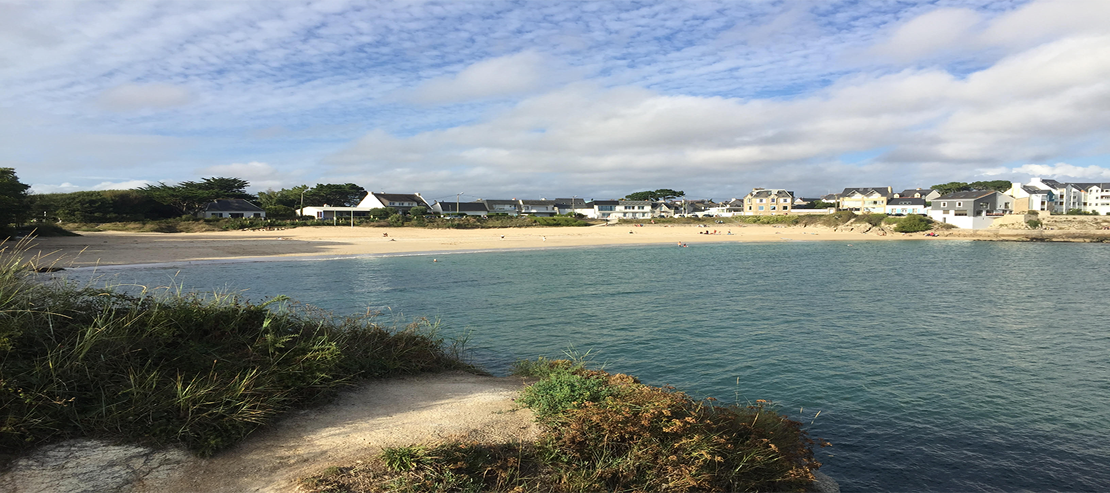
[
  {"x": 1033, "y": 224},
  {"x": 872, "y": 219},
  {"x": 396, "y": 220},
  {"x": 913, "y": 223},
  {"x": 202, "y": 370},
  {"x": 611, "y": 433}
]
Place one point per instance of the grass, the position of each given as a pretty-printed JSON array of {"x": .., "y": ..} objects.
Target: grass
[
  {"x": 201, "y": 370},
  {"x": 604, "y": 432}
]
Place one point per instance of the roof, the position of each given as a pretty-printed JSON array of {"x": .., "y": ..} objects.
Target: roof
[
  {"x": 830, "y": 197},
  {"x": 231, "y": 205},
  {"x": 969, "y": 195},
  {"x": 573, "y": 202},
  {"x": 912, "y": 191},
  {"x": 1085, "y": 186},
  {"x": 767, "y": 192},
  {"x": 537, "y": 202},
  {"x": 1034, "y": 190},
  {"x": 463, "y": 206},
  {"x": 1054, "y": 184},
  {"x": 398, "y": 197},
  {"x": 884, "y": 191},
  {"x": 906, "y": 201},
  {"x": 634, "y": 202},
  {"x": 606, "y": 202}
]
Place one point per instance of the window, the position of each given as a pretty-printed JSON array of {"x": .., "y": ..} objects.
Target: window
[
  {"x": 959, "y": 204},
  {"x": 944, "y": 204},
  {"x": 772, "y": 207},
  {"x": 761, "y": 200},
  {"x": 761, "y": 207},
  {"x": 785, "y": 200},
  {"x": 605, "y": 208}
]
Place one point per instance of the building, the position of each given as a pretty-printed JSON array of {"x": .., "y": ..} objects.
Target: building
[
  {"x": 232, "y": 208},
  {"x": 1030, "y": 198},
  {"x": 1093, "y": 197},
  {"x": 865, "y": 200},
  {"x": 502, "y": 207},
  {"x": 401, "y": 202},
  {"x": 460, "y": 208},
  {"x": 540, "y": 208},
  {"x": 902, "y": 206},
  {"x": 918, "y": 193},
  {"x": 768, "y": 202},
  {"x": 971, "y": 210}
]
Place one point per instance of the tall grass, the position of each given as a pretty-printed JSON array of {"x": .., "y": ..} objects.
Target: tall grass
[
  {"x": 203, "y": 370},
  {"x": 605, "y": 432}
]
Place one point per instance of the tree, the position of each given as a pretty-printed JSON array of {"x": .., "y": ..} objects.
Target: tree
[
  {"x": 190, "y": 197},
  {"x": 346, "y": 195},
  {"x": 13, "y": 198},
  {"x": 995, "y": 185},
  {"x": 951, "y": 187},
  {"x": 653, "y": 195}
]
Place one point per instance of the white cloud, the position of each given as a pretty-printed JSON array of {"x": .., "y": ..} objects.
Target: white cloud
[
  {"x": 939, "y": 31},
  {"x": 1042, "y": 21},
  {"x": 1063, "y": 172},
  {"x": 262, "y": 176},
  {"x": 501, "y": 77},
  {"x": 131, "y": 97}
]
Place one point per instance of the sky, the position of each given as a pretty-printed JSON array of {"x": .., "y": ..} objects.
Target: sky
[{"x": 554, "y": 99}]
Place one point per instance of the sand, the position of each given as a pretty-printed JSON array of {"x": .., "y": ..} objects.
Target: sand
[{"x": 116, "y": 248}]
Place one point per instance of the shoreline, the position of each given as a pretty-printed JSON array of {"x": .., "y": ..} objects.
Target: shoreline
[{"x": 112, "y": 250}]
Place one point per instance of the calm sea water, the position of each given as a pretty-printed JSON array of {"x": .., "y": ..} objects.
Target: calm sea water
[{"x": 936, "y": 366}]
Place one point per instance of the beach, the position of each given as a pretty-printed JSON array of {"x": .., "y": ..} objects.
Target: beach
[{"x": 124, "y": 248}]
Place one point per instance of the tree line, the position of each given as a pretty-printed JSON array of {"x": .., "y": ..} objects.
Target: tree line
[{"x": 159, "y": 201}]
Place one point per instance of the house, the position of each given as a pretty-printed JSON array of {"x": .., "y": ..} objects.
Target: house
[
  {"x": 728, "y": 208},
  {"x": 1030, "y": 198},
  {"x": 401, "y": 202},
  {"x": 233, "y": 208},
  {"x": 613, "y": 210},
  {"x": 541, "y": 208},
  {"x": 768, "y": 202},
  {"x": 865, "y": 200},
  {"x": 976, "y": 209},
  {"x": 326, "y": 212},
  {"x": 567, "y": 206},
  {"x": 918, "y": 193},
  {"x": 664, "y": 209},
  {"x": 499, "y": 206},
  {"x": 1093, "y": 197},
  {"x": 901, "y": 206},
  {"x": 461, "y": 208}
]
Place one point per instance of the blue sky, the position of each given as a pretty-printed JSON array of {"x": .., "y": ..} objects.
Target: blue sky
[{"x": 547, "y": 99}]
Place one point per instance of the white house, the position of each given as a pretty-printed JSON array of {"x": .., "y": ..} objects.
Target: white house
[
  {"x": 232, "y": 208},
  {"x": 971, "y": 210},
  {"x": 499, "y": 206},
  {"x": 865, "y": 199},
  {"x": 901, "y": 206},
  {"x": 402, "y": 202}
]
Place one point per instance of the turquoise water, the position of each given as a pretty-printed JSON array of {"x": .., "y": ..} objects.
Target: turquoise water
[{"x": 936, "y": 366}]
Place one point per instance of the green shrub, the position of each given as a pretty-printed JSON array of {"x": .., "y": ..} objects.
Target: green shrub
[
  {"x": 913, "y": 223},
  {"x": 872, "y": 219},
  {"x": 1033, "y": 223},
  {"x": 396, "y": 220}
]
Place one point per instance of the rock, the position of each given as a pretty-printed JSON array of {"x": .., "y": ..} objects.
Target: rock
[
  {"x": 822, "y": 483},
  {"x": 89, "y": 466}
]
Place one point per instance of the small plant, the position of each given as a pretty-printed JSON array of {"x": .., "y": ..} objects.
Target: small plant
[
  {"x": 913, "y": 223},
  {"x": 1033, "y": 224},
  {"x": 403, "y": 458}
]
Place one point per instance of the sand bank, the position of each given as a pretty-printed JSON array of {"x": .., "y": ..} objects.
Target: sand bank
[{"x": 116, "y": 248}]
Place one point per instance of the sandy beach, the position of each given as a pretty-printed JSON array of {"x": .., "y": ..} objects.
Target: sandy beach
[{"x": 118, "y": 248}]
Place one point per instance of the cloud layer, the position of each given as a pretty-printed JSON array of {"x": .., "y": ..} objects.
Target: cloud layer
[{"x": 593, "y": 99}]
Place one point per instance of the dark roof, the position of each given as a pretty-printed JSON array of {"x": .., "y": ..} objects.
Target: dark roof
[
  {"x": 634, "y": 202},
  {"x": 909, "y": 192},
  {"x": 768, "y": 192},
  {"x": 906, "y": 201},
  {"x": 573, "y": 202},
  {"x": 463, "y": 206},
  {"x": 537, "y": 202},
  {"x": 1054, "y": 184},
  {"x": 606, "y": 202},
  {"x": 231, "y": 205},
  {"x": 1085, "y": 186},
  {"x": 830, "y": 197},
  {"x": 884, "y": 191},
  {"x": 385, "y": 198},
  {"x": 1032, "y": 190},
  {"x": 969, "y": 195},
  {"x": 499, "y": 201}
]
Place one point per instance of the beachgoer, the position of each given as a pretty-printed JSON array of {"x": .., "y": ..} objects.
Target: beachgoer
[{"x": 544, "y": 238}]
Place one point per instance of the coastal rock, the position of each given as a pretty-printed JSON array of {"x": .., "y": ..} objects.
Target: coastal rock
[
  {"x": 91, "y": 466},
  {"x": 822, "y": 483}
]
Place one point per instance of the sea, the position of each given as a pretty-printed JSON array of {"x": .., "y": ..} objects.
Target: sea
[{"x": 928, "y": 365}]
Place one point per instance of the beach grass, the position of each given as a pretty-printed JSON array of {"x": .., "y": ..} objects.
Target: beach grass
[
  {"x": 203, "y": 370},
  {"x": 603, "y": 432}
]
